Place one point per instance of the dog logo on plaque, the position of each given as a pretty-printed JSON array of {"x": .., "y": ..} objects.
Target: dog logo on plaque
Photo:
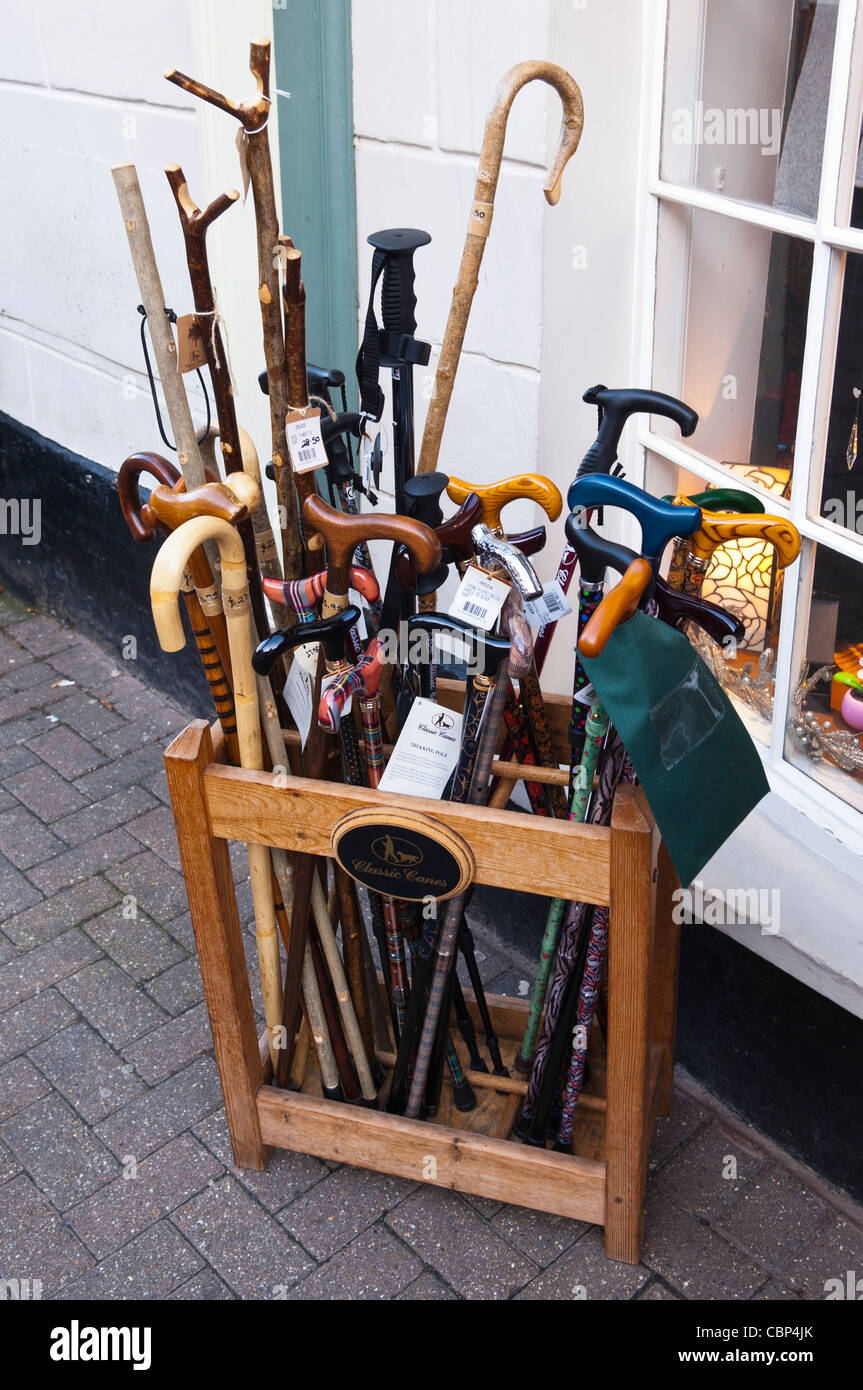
[{"x": 407, "y": 856}]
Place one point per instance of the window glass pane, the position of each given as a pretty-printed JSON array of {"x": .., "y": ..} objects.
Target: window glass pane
[
  {"x": 743, "y": 578},
  {"x": 842, "y": 484},
  {"x": 823, "y": 733},
  {"x": 730, "y": 328},
  {"x": 745, "y": 101}
]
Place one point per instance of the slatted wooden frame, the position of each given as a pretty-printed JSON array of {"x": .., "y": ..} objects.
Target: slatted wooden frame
[{"x": 625, "y": 866}]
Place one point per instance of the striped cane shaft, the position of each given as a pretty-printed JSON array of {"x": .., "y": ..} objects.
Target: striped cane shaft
[
  {"x": 533, "y": 706},
  {"x": 448, "y": 938},
  {"x": 222, "y": 695}
]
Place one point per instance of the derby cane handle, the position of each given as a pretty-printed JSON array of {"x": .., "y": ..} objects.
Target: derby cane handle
[
  {"x": 342, "y": 534},
  {"x": 616, "y": 608},
  {"x": 720, "y": 528},
  {"x": 494, "y": 496}
]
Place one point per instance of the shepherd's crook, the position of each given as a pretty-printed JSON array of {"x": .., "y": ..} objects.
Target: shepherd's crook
[
  {"x": 479, "y": 224},
  {"x": 165, "y": 583}
]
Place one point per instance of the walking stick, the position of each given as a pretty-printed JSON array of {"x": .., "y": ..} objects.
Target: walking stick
[
  {"x": 208, "y": 627},
  {"x": 479, "y": 225},
  {"x": 153, "y": 299},
  {"x": 165, "y": 583},
  {"x": 254, "y": 143},
  {"x": 714, "y": 499},
  {"x": 517, "y": 662},
  {"x": 614, "y": 407},
  {"x": 194, "y": 224}
]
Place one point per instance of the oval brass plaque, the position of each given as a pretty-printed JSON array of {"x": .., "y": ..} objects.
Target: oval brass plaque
[{"x": 403, "y": 854}]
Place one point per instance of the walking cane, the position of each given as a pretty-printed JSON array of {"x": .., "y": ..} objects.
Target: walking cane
[
  {"x": 479, "y": 225},
  {"x": 153, "y": 299},
  {"x": 165, "y": 583},
  {"x": 614, "y": 407},
  {"x": 714, "y": 499},
  {"x": 207, "y": 621},
  {"x": 516, "y": 662},
  {"x": 254, "y": 144},
  {"x": 195, "y": 223}
]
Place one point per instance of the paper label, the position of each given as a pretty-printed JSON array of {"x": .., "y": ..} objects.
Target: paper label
[
  {"x": 479, "y": 598},
  {"x": 298, "y": 693},
  {"x": 307, "y": 656},
  {"x": 356, "y": 600},
  {"x": 550, "y": 607},
  {"x": 191, "y": 352},
  {"x": 426, "y": 753},
  {"x": 305, "y": 444},
  {"x": 586, "y": 696}
]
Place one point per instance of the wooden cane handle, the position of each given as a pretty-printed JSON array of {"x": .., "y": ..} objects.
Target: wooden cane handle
[
  {"x": 171, "y": 562},
  {"x": 252, "y": 114},
  {"x": 572, "y": 121},
  {"x": 716, "y": 530},
  {"x": 129, "y": 491},
  {"x": 494, "y": 496},
  {"x": 230, "y": 503},
  {"x": 616, "y": 608},
  {"x": 342, "y": 534}
]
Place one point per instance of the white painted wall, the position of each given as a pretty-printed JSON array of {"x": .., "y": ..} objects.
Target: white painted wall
[
  {"x": 540, "y": 330},
  {"x": 81, "y": 89}
]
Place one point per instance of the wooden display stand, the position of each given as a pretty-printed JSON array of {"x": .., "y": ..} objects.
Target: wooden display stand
[{"x": 624, "y": 866}]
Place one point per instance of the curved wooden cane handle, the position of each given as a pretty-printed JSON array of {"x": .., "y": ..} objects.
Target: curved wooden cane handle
[
  {"x": 231, "y": 502},
  {"x": 617, "y": 607},
  {"x": 128, "y": 488},
  {"x": 342, "y": 534},
  {"x": 535, "y": 70},
  {"x": 453, "y": 534},
  {"x": 716, "y": 530},
  {"x": 494, "y": 496}
]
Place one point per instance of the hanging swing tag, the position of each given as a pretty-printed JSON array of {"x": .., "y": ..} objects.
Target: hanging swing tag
[
  {"x": 307, "y": 656},
  {"x": 426, "y": 751},
  {"x": 305, "y": 444},
  {"x": 479, "y": 598},
  {"x": 550, "y": 607},
  {"x": 298, "y": 698},
  {"x": 191, "y": 353}
]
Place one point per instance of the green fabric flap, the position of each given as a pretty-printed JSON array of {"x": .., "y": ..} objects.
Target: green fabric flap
[{"x": 692, "y": 754}]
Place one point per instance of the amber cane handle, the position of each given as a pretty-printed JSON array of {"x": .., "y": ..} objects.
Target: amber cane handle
[
  {"x": 495, "y": 496},
  {"x": 616, "y": 608}
]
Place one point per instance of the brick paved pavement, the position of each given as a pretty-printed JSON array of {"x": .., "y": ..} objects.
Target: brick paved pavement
[{"x": 116, "y": 1178}]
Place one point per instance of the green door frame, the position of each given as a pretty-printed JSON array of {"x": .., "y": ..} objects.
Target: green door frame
[{"x": 312, "y": 47}]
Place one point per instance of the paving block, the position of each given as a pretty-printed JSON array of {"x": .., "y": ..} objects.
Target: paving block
[
  {"x": 16, "y": 891},
  {"x": 336, "y": 1210},
  {"x": 285, "y": 1176},
  {"x": 136, "y": 944},
  {"x": 159, "y": 890},
  {"x": 692, "y": 1258},
  {"x": 100, "y": 816},
  {"x": 830, "y": 1264},
  {"x": 583, "y": 1272},
  {"x": 129, "y": 1205},
  {"x": 20, "y": 1085},
  {"x": 427, "y": 1288},
  {"x": 374, "y": 1266},
  {"x": 28, "y": 1023},
  {"x": 203, "y": 1287},
  {"x": 60, "y": 1153},
  {"x": 773, "y": 1217},
  {"x": 709, "y": 1172},
  {"x": 36, "y": 1242},
  {"x": 24, "y": 840},
  {"x": 171, "y": 1046},
  {"x": 111, "y": 1002},
  {"x": 65, "y": 751},
  {"x": 246, "y": 1246},
  {"x": 179, "y": 987},
  {"x": 99, "y": 856},
  {"x": 150, "y": 1121},
  {"x": 44, "y": 965},
  {"x": 463, "y": 1248},
  {"x": 538, "y": 1234},
  {"x": 41, "y": 635},
  {"x": 90, "y": 1074},
  {"x": 150, "y": 1267},
  {"x": 51, "y": 916}
]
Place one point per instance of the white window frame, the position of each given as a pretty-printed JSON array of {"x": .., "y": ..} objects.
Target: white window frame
[{"x": 829, "y": 240}]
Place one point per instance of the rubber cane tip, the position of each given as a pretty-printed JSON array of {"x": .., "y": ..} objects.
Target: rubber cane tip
[
  {"x": 464, "y": 1097},
  {"x": 522, "y": 1065},
  {"x": 332, "y": 1092}
]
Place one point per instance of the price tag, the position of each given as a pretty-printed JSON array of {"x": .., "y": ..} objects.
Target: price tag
[
  {"x": 550, "y": 607},
  {"x": 426, "y": 753},
  {"x": 479, "y": 598},
  {"x": 305, "y": 444},
  {"x": 586, "y": 696},
  {"x": 307, "y": 656},
  {"x": 356, "y": 600},
  {"x": 299, "y": 688},
  {"x": 191, "y": 352}
]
